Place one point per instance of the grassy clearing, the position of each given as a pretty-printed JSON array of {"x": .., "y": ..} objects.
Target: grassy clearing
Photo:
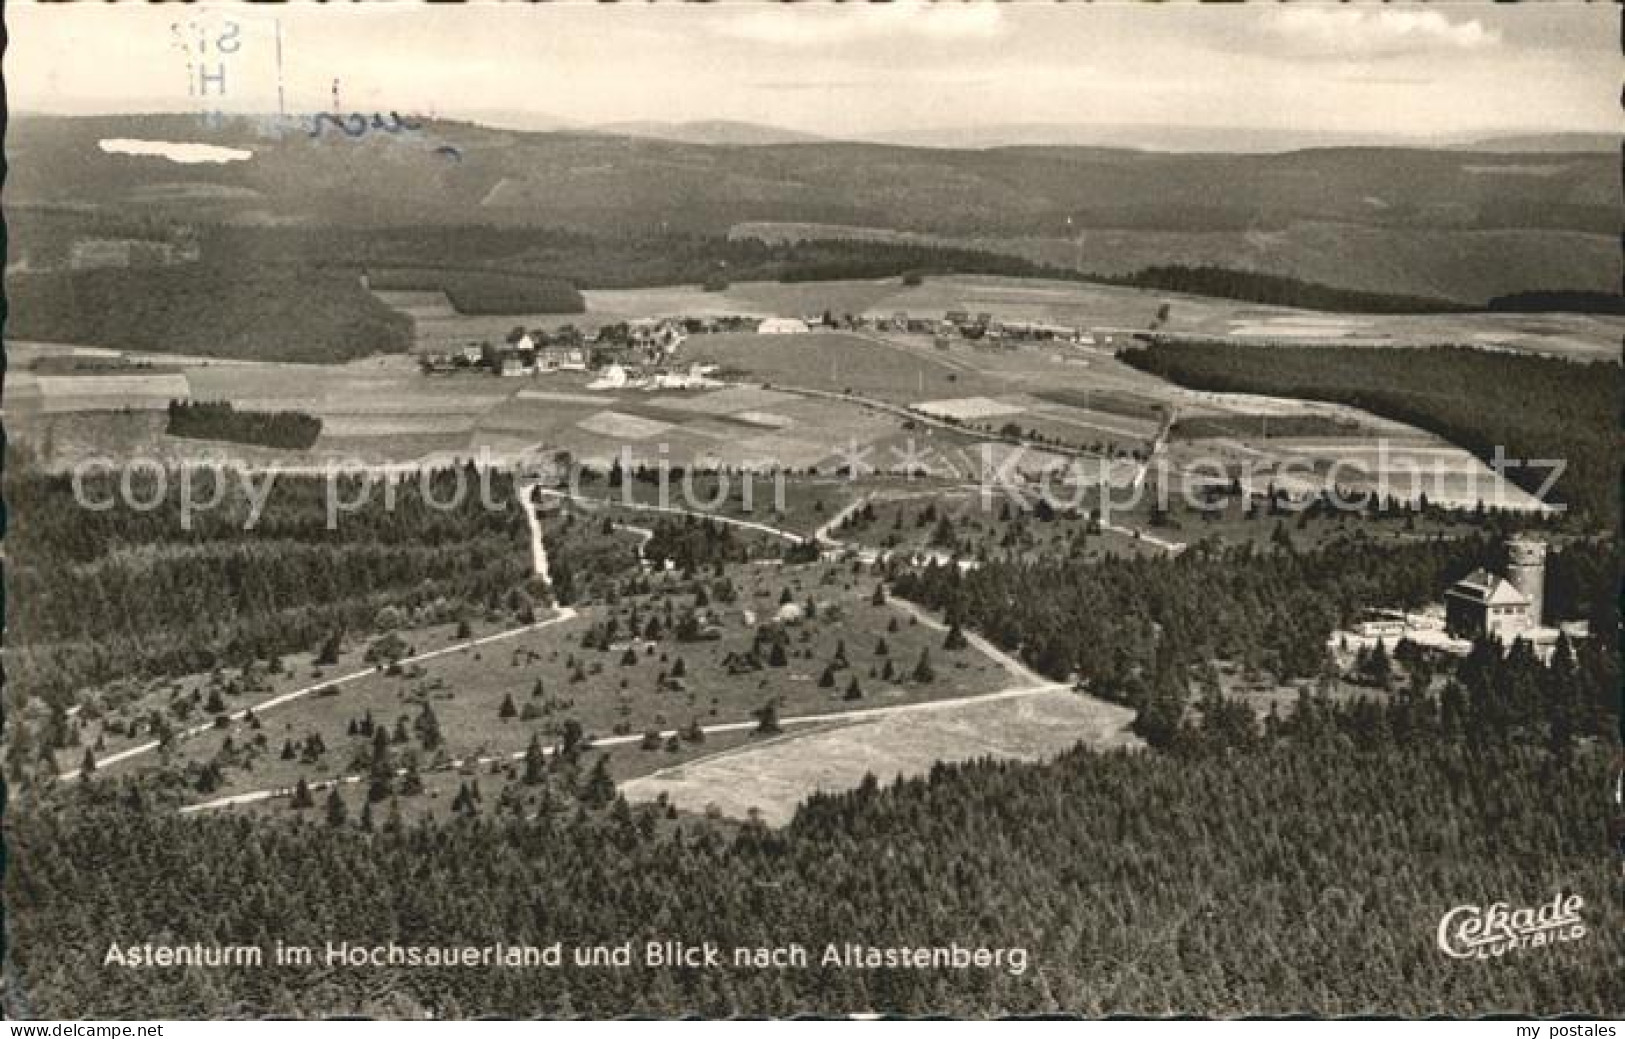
[
  {"x": 1246, "y": 426},
  {"x": 961, "y": 525},
  {"x": 498, "y": 782},
  {"x": 799, "y": 505},
  {"x": 838, "y": 362},
  {"x": 105, "y": 715},
  {"x": 636, "y": 684},
  {"x": 768, "y": 781}
]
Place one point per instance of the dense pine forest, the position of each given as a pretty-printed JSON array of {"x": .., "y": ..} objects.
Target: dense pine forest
[
  {"x": 1531, "y": 407},
  {"x": 485, "y": 291},
  {"x": 1255, "y": 287},
  {"x": 1572, "y": 300},
  {"x": 1294, "y": 862},
  {"x": 290, "y": 294},
  {"x": 1136, "y": 630},
  {"x": 230, "y": 306},
  {"x": 99, "y": 594},
  {"x": 219, "y": 420},
  {"x": 1300, "y": 865}
]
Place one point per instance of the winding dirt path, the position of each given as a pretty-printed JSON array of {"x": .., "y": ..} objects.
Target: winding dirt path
[
  {"x": 560, "y": 615},
  {"x": 861, "y": 714},
  {"x": 538, "y": 560}
]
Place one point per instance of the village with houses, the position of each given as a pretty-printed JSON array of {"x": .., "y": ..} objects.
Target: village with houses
[{"x": 645, "y": 352}]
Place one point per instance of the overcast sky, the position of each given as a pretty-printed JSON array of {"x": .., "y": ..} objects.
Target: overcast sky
[{"x": 1445, "y": 70}]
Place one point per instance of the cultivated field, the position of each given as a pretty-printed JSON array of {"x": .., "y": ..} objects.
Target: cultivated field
[
  {"x": 932, "y": 408},
  {"x": 1114, "y": 312}
]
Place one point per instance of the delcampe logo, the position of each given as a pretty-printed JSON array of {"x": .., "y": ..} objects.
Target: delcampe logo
[{"x": 1483, "y": 932}]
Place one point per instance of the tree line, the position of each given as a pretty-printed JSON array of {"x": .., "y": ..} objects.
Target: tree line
[
  {"x": 1536, "y": 410},
  {"x": 98, "y": 595},
  {"x": 230, "y": 305},
  {"x": 1137, "y": 630},
  {"x": 1235, "y": 873},
  {"x": 476, "y": 291},
  {"x": 220, "y": 420},
  {"x": 1276, "y": 290}
]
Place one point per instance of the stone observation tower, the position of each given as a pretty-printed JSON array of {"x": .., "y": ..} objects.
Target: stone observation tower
[{"x": 1526, "y": 570}]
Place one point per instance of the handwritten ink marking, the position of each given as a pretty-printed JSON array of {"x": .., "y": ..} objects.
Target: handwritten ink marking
[{"x": 358, "y": 124}]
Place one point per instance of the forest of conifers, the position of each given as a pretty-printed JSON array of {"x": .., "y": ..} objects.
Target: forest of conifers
[
  {"x": 219, "y": 420},
  {"x": 1272, "y": 289},
  {"x": 97, "y": 595},
  {"x": 472, "y": 291},
  {"x": 293, "y": 294},
  {"x": 229, "y": 308},
  {"x": 1297, "y": 864},
  {"x": 1301, "y": 866},
  {"x": 1531, "y": 407},
  {"x": 1135, "y": 629}
]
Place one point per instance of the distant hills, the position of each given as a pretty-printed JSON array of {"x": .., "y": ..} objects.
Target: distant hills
[
  {"x": 1547, "y": 142},
  {"x": 1214, "y": 140},
  {"x": 1232, "y": 140},
  {"x": 1152, "y": 137},
  {"x": 1465, "y": 225},
  {"x": 724, "y": 132}
]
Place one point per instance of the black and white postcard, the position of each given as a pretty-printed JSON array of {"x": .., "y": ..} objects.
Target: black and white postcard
[{"x": 967, "y": 510}]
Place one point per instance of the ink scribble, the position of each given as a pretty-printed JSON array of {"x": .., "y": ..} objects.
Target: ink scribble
[{"x": 358, "y": 124}]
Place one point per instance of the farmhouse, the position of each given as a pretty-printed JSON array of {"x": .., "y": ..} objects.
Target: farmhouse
[
  {"x": 656, "y": 336},
  {"x": 781, "y": 326},
  {"x": 94, "y": 253},
  {"x": 611, "y": 377},
  {"x": 561, "y": 359},
  {"x": 696, "y": 378}
]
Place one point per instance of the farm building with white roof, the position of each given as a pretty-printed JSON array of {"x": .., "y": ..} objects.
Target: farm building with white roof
[{"x": 781, "y": 326}]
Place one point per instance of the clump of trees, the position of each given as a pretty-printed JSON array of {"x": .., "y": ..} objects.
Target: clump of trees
[
  {"x": 1274, "y": 289},
  {"x": 220, "y": 420},
  {"x": 478, "y": 291},
  {"x": 237, "y": 304}
]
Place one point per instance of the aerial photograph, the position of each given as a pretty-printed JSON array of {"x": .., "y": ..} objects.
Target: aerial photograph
[{"x": 955, "y": 510}]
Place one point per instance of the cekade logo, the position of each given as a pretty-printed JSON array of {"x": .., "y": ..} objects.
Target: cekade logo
[{"x": 1483, "y": 932}]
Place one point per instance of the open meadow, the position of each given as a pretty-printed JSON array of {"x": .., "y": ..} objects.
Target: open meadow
[
  {"x": 655, "y": 652},
  {"x": 769, "y": 780}
]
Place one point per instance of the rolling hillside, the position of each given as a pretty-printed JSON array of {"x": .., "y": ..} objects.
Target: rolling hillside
[{"x": 1466, "y": 225}]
